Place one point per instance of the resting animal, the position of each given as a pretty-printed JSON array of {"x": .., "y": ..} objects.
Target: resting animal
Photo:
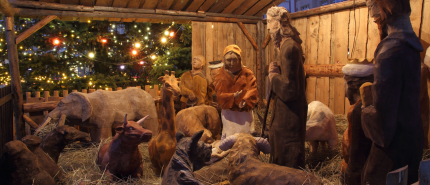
[
  {"x": 320, "y": 126},
  {"x": 46, "y": 163},
  {"x": 55, "y": 141},
  {"x": 121, "y": 157},
  {"x": 21, "y": 166},
  {"x": 190, "y": 155},
  {"x": 202, "y": 117},
  {"x": 244, "y": 167}
]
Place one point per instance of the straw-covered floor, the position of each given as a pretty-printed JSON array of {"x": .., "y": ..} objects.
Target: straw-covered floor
[{"x": 78, "y": 161}]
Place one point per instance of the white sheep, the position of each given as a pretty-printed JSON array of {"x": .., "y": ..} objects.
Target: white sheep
[{"x": 320, "y": 126}]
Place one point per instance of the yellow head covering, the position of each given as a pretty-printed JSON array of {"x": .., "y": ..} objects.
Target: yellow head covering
[
  {"x": 233, "y": 48},
  {"x": 202, "y": 58}
]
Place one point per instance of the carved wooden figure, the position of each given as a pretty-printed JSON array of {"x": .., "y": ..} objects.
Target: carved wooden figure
[
  {"x": 393, "y": 121},
  {"x": 288, "y": 129},
  {"x": 105, "y": 110},
  {"x": 55, "y": 141},
  {"x": 355, "y": 145},
  {"x": 194, "y": 85},
  {"x": 121, "y": 157},
  {"x": 21, "y": 166},
  {"x": 191, "y": 155},
  {"x": 320, "y": 126},
  {"x": 236, "y": 92},
  {"x": 203, "y": 117},
  {"x": 244, "y": 166},
  {"x": 46, "y": 163},
  {"x": 162, "y": 147}
]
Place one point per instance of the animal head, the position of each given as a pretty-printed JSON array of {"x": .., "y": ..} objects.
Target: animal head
[
  {"x": 262, "y": 144},
  {"x": 32, "y": 142},
  {"x": 170, "y": 84},
  {"x": 71, "y": 134},
  {"x": 207, "y": 136},
  {"x": 14, "y": 148},
  {"x": 198, "y": 151},
  {"x": 132, "y": 132},
  {"x": 75, "y": 105}
]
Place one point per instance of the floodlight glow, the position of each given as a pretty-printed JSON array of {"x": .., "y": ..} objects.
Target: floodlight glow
[
  {"x": 91, "y": 55},
  {"x": 163, "y": 40},
  {"x": 166, "y": 33},
  {"x": 137, "y": 45},
  {"x": 122, "y": 67}
]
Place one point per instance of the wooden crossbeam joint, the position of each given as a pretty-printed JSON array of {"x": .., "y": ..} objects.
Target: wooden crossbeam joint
[
  {"x": 34, "y": 28},
  {"x": 248, "y": 35},
  {"x": 6, "y": 8}
]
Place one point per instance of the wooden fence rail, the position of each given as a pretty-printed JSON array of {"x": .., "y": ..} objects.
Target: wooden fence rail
[{"x": 6, "y": 116}]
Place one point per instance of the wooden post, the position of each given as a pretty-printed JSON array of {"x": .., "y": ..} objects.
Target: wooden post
[
  {"x": 62, "y": 120},
  {"x": 84, "y": 91},
  {"x": 65, "y": 93},
  {"x": 27, "y": 96},
  {"x": 74, "y": 90},
  {"x": 34, "y": 28},
  {"x": 37, "y": 94},
  {"x": 6, "y": 9},
  {"x": 14, "y": 75},
  {"x": 398, "y": 177},
  {"x": 30, "y": 122},
  {"x": 260, "y": 71},
  {"x": 91, "y": 90},
  {"x": 46, "y": 95},
  {"x": 119, "y": 88}
]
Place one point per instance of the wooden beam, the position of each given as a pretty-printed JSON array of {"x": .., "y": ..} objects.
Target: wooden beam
[
  {"x": 37, "y": 107},
  {"x": 324, "y": 70},
  {"x": 232, "y": 6},
  {"x": 195, "y": 5},
  {"x": 257, "y": 7},
  {"x": 34, "y": 28},
  {"x": 17, "y": 98},
  {"x": 179, "y": 5},
  {"x": 30, "y": 122},
  {"x": 233, "y": 16},
  {"x": 266, "y": 41},
  {"x": 179, "y": 13},
  {"x": 242, "y": 27},
  {"x": 53, "y": 6},
  {"x": 6, "y": 8},
  {"x": 31, "y": 12},
  {"x": 245, "y": 6},
  {"x": 165, "y": 4},
  {"x": 218, "y": 6},
  {"x": 335, "y": 7},
  {"x": 5, "y": 99},
  {"x": 206, "y": 5},
  {"x": 124, "y": 10}
]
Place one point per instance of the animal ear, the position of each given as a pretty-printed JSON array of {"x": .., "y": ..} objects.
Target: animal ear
[
  {"x": 85, "y": 104},
  {"x": 161, "y": 79},
  {"x": 119, "y": 129},
  {"x": 196, "y": 137},
  {"x": 179, "y": 135},
  {"x": 172, "y": 73}
]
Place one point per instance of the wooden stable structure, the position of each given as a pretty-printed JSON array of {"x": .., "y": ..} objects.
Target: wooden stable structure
[
  {"x": 330, "y": 35},
  {"x": 156, "y": 11}
]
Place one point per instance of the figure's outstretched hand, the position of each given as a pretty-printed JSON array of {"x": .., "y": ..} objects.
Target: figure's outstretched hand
[
  {"x": 242, "y": 104},
  {"x": 237, "y": 94},
  {"x": 273, "y": 70}
]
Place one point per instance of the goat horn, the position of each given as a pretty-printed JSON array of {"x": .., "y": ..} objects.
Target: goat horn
[
  {"x": 228, "y": 142},
  {"x": 125, "y": 121},
  {"x": 141, "y": 120},
  {"x": 263, "y": 145}
]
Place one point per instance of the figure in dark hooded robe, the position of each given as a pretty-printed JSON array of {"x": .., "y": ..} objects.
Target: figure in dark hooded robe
[
  {"x": 288, "y": 129},
  {"x": 393, "y": 122}
]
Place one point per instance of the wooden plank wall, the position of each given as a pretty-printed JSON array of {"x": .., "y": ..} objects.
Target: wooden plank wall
[
  {"x": 329, "y": 38},
  {"x": 211, "y": 38},
  {"x": 6, "y": 118}
]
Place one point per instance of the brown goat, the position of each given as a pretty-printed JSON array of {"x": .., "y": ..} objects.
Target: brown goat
[
  {"x": 55, "y": 141},
  {"x": 121, "y": 157},
  {"x": 244, "y": 167},
  {"x": 162, "y": 147}
]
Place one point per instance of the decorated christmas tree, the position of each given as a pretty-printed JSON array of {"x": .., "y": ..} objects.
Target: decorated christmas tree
[{"x": 97, "y": 55}]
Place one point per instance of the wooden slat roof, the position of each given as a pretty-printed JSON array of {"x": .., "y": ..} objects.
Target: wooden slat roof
[{"x": 232, "y": 10}]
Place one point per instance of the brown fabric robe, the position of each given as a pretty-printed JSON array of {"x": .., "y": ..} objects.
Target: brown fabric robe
[
  {"x": 424, "y": 103},
  {"x": 226, "y": 86},
  {"x": 196, "y": 84},
  {"x": 359, "y": 146},
  {"x": 394, "y": 123},
  {"x": 288, "y": 129}
]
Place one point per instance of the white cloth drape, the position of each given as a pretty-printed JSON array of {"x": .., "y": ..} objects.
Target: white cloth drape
[{"x": 237, "y": 122}]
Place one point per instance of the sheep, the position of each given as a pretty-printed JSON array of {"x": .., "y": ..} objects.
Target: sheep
[
  {"x": 244, "y": 167},
  {"x": 320, "y": 126},
  {"x": 203, "y": 117}
]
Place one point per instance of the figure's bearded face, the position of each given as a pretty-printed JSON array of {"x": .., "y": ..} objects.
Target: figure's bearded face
[{"x": 274, "y": 29}]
